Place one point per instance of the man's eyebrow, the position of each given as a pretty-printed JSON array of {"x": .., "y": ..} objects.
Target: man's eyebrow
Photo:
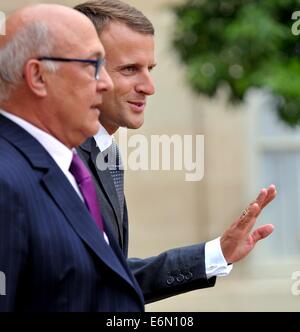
[
  {"x": 127, "y": 65},
  {"x": 134, "y": 64}
]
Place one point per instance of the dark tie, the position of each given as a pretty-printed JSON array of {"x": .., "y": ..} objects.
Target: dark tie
[
  {"x": 116, "y": 171},
  {"x": 87, "y": 189}
]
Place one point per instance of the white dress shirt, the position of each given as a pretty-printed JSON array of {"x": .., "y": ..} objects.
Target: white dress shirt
[
  {"x": 103, "y": 139},
  {"x": 215, "y": 262}
]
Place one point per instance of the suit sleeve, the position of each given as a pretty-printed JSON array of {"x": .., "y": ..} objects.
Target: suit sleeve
[
  {"x": 171, "y": 273},
  {"x": 13, "y": 246}
]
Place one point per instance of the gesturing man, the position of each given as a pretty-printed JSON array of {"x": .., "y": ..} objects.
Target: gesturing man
[{"x": 128, "y": 38}]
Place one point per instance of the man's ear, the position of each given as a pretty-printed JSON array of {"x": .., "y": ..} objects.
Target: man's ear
[{"x": 34, "y": 76}]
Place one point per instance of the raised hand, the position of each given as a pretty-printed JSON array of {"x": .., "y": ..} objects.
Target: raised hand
[{"x": 239, "y": 239}]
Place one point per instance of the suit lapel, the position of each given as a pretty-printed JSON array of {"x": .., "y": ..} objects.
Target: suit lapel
[
  {"x": 79, "y": 218},
  {"x": 105, "y": 181},
  {"x": 113, "y": 243}
]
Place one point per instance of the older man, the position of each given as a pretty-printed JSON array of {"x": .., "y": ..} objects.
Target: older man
[
  {"x": 56, "y": 252},
  {"x": 128, "y": 39}
]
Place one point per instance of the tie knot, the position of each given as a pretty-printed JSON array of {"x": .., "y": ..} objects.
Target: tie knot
[{"x": 78, "y": 169}]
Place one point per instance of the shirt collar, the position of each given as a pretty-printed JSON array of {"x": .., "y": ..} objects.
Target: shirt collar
[
  {"x": 103, "y": 139},
  {"x": 58, "y": 151}
]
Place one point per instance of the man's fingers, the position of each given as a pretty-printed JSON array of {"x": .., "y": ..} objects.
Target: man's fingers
[
  {"x": 265, "y": 197},
  {"x": 262, "y": 232},
  {"x": 262, "y": 196},
  {"x": 249, "y": 214},
  {"x": 271, "y": 195}
]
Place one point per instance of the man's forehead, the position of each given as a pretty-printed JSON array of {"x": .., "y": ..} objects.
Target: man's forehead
[
  {"x": 131, "y": 46},
  {"x": 90, "y": 46},
  {"x": 139, "y": 56},
  {"x": 120, "y": 33},
  {"x": 97, "y": 51}
]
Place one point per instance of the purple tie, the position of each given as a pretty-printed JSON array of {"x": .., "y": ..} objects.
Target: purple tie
[{"x": 87, "y": 189}]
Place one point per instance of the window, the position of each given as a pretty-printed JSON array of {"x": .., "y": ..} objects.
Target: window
[{"x": 275, "y": 158}]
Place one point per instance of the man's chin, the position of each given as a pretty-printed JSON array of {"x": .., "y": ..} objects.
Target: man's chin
[
  {"x": 135, "y": 124},
  {"x": 92, "y": 129}
]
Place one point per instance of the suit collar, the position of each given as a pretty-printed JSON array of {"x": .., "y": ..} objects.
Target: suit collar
[
  {"x": 102, "y": 138},
  {"x": 57, "y": 150},
  {"x": 29, "y": 147},
  {"x": 87, "y": 145}
]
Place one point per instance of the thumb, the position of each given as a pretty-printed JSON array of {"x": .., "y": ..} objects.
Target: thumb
[{"x": 262, "y": 232}]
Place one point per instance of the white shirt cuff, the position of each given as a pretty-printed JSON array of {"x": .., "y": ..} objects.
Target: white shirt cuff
[{"x": 215, "y": 263}]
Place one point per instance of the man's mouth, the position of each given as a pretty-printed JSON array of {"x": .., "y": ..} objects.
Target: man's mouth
[{"x": 137, "y": 106}]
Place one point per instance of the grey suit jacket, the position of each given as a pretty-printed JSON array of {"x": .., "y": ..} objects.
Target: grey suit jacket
[{"x": 172, "y": 272}]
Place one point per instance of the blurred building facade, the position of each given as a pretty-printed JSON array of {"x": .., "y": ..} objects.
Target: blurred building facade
[{"x": 246, "y": 148}]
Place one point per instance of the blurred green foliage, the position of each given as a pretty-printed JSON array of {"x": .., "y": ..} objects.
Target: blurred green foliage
[{"x": 245, "y": 44}]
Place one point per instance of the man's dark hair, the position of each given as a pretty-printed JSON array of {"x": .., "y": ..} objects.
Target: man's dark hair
[{"x": 103, "y": 12}]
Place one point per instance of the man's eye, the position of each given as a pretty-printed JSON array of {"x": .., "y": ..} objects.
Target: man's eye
[{"x": 129, "y": 70}]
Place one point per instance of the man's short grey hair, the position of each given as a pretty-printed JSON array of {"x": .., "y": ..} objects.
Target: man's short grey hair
[{"x": 31, "y": 41}]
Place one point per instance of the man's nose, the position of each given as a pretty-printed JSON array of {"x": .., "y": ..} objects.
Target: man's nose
[
  {"x": 146, "y": 85},
  {"x": 105, "y": 82}
]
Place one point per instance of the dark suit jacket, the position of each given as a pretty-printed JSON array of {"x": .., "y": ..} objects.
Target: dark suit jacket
[
  {"x": 51, "y": 251},
  {"x": 172, "y": 272}
]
